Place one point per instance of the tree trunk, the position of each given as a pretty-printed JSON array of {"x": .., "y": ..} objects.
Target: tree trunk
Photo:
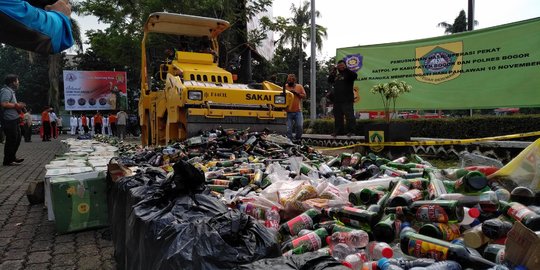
[
  {"x": 300, "y": 66},
  {"x": 54, "y": 66}
]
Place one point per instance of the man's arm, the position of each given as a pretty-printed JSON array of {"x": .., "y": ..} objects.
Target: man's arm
[
  {"x": 350, "y": 75},
  {"x": 27, "y": 27}
]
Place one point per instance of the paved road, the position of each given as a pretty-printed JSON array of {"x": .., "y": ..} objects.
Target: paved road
[{"x": 27, "y": 239}]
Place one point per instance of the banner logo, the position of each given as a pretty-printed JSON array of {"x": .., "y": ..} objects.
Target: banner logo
[
  {"x": 70, "y": 77},
  {"x": 439, "y": 63},
  {"x": 376, "y": 136},
  {"x": 354, "y": 61}
]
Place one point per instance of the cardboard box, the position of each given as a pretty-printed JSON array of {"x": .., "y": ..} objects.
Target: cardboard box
[
  {"x": 523, "y": 247},
  {"x": 79, "y": 204}
]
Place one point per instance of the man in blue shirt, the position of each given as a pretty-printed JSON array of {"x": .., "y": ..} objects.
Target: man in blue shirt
[
  {"x": 45, "y": 31},
  {"x": 11, "y": 121}
]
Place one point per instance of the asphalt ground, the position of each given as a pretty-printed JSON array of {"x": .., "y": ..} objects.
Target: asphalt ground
[{"x": 27, "y": 239}]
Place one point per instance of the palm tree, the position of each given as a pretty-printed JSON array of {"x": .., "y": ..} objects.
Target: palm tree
[
  {"x": 55, "y": 61},
  {"x": 296, "y": 31},
  {"x": 460, "y": 24}
]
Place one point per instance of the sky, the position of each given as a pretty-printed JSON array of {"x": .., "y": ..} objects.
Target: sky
[
  {"x": 361, "y": 22},
  {"x": 352, "y": 23}
]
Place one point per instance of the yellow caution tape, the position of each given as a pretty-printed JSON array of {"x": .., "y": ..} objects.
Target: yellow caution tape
[{"x": 439, "y": 142}]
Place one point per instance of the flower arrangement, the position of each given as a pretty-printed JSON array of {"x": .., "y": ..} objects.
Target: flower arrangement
[{"x": 389, "y": 93}]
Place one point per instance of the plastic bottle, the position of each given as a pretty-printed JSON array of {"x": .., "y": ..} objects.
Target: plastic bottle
[
  {"x": 407, "y": 264},
  {"x": 502, "y": 193},
  {"x": 425, "y": 246},
  {"x": 305, "y": 220},
  {"x": 384, "y": 264},
  {"x": 469, "y": 215},
  {"x": 354, "y": 239},
  {"x": 272, "y": 218},
  {"x": 377, "y": 250},
  {"x": 488, "y": 200},
  {"x": 371, "y": 265},
  {"x": 341, "y": 250},
  {"x": 444, "y": 265},
  {"x": 355, "y": 261}
]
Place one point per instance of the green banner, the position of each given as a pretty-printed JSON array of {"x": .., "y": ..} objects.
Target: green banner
[{"x": 488, "y": 68}]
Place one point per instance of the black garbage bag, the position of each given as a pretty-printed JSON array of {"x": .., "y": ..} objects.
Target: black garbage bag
[
  {"x": 221, "y": 242},
  {"x": 306, "y": 261},
  {"x": 123, "y": 195},
  {"x": 176, "y": 224}
]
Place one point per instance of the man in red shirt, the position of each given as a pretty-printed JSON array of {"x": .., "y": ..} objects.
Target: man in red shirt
[
  {"x": 98, "y": 122},
  {"x": 295, "y": 119}
]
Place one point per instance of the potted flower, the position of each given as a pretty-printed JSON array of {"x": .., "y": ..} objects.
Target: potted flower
[
  {"x": 389, "y": 93},
  {"x": 398, "y": 131}
]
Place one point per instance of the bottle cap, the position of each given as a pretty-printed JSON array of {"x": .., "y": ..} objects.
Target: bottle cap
[
  {"x": 329, "y": 241},
  {"x": 474, "y": 212},
  {"x": 347, "y": 264},
  {"x": 520, "y": 267},
  {"x": 382, "y": 262},
  {"x": 387, "y": 252}
]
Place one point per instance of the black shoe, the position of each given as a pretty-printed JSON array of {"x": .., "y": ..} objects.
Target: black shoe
[
  {"x": 11, "y": 164},
  {"x": 18, "y": 160}
]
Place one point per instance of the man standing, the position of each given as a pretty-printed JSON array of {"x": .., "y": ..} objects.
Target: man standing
[
  {"x": 295, "y": 119},
  {"x": 106, "y": 129},
  {"x": 343, "y": 98},
  {"x": 46, "y": 124},
  {"x": 112, "y": 123},
  {"x": 73, "y": 124},
  {"x": 84, "y": 124},
  {"x": 98, "y": 123},
  {"x": 121, "y": 121},
  {"x": 54, "y": 119},
  {"x": 10, "y": 119}
]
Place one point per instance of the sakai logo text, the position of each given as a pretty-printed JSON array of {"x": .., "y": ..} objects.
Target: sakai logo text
[{"x": 258, "y": 97}]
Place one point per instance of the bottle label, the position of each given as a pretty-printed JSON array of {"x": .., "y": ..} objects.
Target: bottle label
[
  {"x": 221, "y": 182},
  {"x": 500, "y": 256},
  {"x": 299, "y": 223},
  {"x": 254, "y": 211},
  {"x": 417, "y": 184},
  {"x": 311, "y": 241},
  {"x": 519, "y": 211},
  {"x": 400, "y": 189},
  {"x": 433, "y": 213},
  {"x": 413, "y": 195},
  {"x": 422, "y": 249},
  {"x": 449, "y": 231}
]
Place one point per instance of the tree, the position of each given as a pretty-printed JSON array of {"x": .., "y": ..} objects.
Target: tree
[
  {"x": 296, "y": 31},
  {"x": 120, "y": 42},
  {"x": 459, "y": 25}
]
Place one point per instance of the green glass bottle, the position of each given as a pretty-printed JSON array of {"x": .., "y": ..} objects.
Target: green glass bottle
[
  {"x": 442, "y": 231},
  {"x": 305, "y": 220},
  {"x": 520, "y": 212},
  {"x": 494, "y": 253},
  {"x": 355, "y": 217},
  {"x": 311, "y": 241},
  {"x": 442, "y": 211},
  {"x": 356, "y": 158},
  {"x": 422, "y": 246},
  {"x": 367, "y": 196},
  {"x": 385, "y": 230},
  {"x": 407, "y": 198},
  {"x": 472, "y": 182}
]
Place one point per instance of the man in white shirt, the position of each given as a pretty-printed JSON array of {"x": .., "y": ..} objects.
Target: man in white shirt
[
  {"x": 73, "y": 124},
  {"x": 121, "y": 121},
  {"x": 106, "y": 125}
]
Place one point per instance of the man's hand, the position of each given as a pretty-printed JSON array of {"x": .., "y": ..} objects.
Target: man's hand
[{"x": 61, "y": 6}]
